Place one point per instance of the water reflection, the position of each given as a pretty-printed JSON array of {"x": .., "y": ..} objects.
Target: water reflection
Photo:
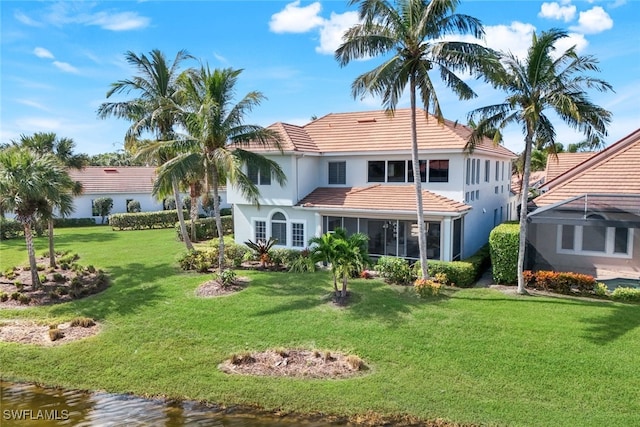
[{"x": 27, "y": 405}]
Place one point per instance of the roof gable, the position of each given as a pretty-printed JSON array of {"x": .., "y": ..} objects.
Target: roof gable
[
  {"x": 107, "y": 179},
  {"x": 613, "y": 170},
  {"x": 562, "y": 162}
]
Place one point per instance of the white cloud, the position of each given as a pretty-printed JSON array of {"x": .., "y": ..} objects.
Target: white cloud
[
  {"x": 37, "y": 124},
  {"x": 124, "y": 21},
  {"x": 41, "y": 52},
  {"x": 296, "y": 19},
  {"x": 556, "y": 11},
  {"x": 333, "y": 30},
  {"x": 573, "y": 39},
  {"x": 66, "y": 67},
  {"x": 33, "y": 104},
  {"x": 26, "y": 20},
  {"x": 593, "y": 21},
  {"x": 514, "y": 38},
  {"x": 220, "y": 58}
]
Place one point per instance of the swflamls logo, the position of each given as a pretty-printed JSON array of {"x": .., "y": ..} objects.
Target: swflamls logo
[{"x": 40, "y": 414}]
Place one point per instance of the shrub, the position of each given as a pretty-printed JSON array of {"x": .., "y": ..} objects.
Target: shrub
[
  {"x": 559, "y": 282},
  {"x": 55, "y": 334},
  {"x": 601, "y": 289},
  {"x": 354, "y": 362},
  {"x": 144, "y": 220},
  {"x": 504, "y": 242},
  {"x": 19, "y": 285},
  {"x": 262, "y": 249},
  {"x": 102, "y": 207},
  {"x": 15, "y": 296},
  {"x": 227, "y": 278},
  {"x": 626, "y": 294},
  {"x": 303, "y": 263},
  {"x": 242, "y": 358},
  {"x": 24, "y": 299},
  {"x": 395, "y": 270},
  {"x": 426, "y": 287},
  {"x": 10, "y": 229},
  {"x": 84, "y": 322},
  {"x": 133, "y": 206},
  {"x": 235, "y": 253},
  {"x": 73, "y": 222},
  {"x": 199, "y": 260},
  {"x": 4, "y": 296}
]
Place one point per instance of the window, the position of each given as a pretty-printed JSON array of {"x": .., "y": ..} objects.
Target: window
[
  {"x": 495, "y": 189},
  {"x": 438, "y": 170},
  {"x": 297, "y": 234},
  {"x": 473, "y": 171},
  {"x": 279, "y": 228},
  {"x": 466, "y": 197},
  {"x": 503, "y": 171},
  {"x": 487, "y": 170},
  {"x": 376, "y": 171},
  {"x": 497, "y": 170},
  {"x": 468, "y": 171},
  {"x": 337, "y": 173},
  {"x": 258, "y": 176},
  {"x": 396, "y": 171},
  {"x": 477, "y": 194},
  {"x": 595, "y": 239},
  {"x": 423, "y": 170},
  {"x": 260, "y": 229},
  {"x": 478, "y": 171}
]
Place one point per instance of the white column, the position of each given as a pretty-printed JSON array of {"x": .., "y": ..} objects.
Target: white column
[{"x": 446, "y": 254}]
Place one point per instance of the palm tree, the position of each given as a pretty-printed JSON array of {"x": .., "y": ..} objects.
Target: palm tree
[
  {"x": 540, "y": 83},
  {"x": 29, "y": 182},
  {"x": 413, "y": 35},
  {"x": 42, "y": 143},
  {"x": 324, "y": 249},
  {"x": 216, "y": 133},
  {"x": 351, "y": 257},
  {"x": 154, "y": 110}
]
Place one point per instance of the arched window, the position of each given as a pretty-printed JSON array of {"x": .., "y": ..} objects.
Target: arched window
[{"x": 279, "y": 228}]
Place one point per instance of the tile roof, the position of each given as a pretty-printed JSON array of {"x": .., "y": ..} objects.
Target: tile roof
[
  {"x": 556, "y": 166},
  {"x": 107, "y": 179},
  {"x": 613, "y": 170},
  {"x": 368, "y": 131},
  {"x": 398, "y": 198},
  {"x": 536, "y": 179}
]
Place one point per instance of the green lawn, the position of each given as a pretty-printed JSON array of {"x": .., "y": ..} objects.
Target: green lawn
[{"x": 473, "y": 356}]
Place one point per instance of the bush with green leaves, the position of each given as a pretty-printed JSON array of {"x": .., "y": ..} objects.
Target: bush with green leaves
[
  {"x": 235, "y": 253},
  {"x": 626, "y": 294},
  {"x": 395, "y": 270},
  {"x": 144, "y": 220},
  {"x": 303, "y": 263},
  {"x": 73, "y": 222},
  {"x": 504, "y": 243},
  {"x": 102, "y": 207},
  {"x": 133, "y": 206},
  {"x": 206, "y": 228},
  {"x": 10, "y": 228},
  {"x": 227, "y": 278},
  {"x": 427, "y": 287}
]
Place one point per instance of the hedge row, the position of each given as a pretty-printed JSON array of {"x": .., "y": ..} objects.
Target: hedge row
[
  {"x": 206, "y": 227},
  {"x": 559, "y": 282},
  {"x": 504, "y": 243},
  {"x": 144, "y": 220},
  {"x": 10, "y": 229}
]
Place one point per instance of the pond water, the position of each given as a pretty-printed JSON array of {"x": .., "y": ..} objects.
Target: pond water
[{"x": 24, "y": 405}]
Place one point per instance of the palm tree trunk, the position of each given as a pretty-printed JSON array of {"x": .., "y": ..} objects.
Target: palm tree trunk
[
  {"x": 218, "y": 217},
  {"x": 345, "y": 277},
  {"x": 183, "y": 227},
  {"x": 52, "y": 252},
  {"x": 193, "y": 213},
  {"x": 422, "y": 232},
  {"x": 28, "y": 237},
  {"x": 523, "y": 209}
]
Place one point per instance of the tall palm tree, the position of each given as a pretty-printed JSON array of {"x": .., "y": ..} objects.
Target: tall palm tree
[
  {"x": 540, "y": 83},
  {"x": 412, "y": 34},
  {"x": 351, "y": 257},
  {"x": 216, "y": 133},
  {"x": 155, "y": 109},
  {"x": 28, "y": 184},
  {"x": 62, "y": 148}
]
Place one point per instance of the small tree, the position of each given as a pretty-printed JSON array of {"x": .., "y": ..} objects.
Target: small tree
[
  {"x": 133, "y": 206},
  {"x": 102, "y": 207}
]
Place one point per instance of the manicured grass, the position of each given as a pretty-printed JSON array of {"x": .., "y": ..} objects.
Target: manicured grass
[{"x": 472, "y": 356}]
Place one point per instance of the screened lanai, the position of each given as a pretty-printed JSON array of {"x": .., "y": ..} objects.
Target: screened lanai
[{"x": 597, "y": 234}]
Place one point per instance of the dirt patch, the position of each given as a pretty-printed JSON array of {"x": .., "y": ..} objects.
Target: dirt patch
[
  {"x": 27, "y": 332},
  {"x": 295, "y": 363},
  {"x": 60, "y": 284},
  {"x": 214, "y": 288}
]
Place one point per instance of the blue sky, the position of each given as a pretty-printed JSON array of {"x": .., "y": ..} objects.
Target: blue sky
[{"x": 58, "y": 59}]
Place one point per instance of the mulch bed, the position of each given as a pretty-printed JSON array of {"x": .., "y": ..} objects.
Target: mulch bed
[
  {"x": 27, "y": 332},
  {"x": 295, "y": 363},
  {"x": 214, "y": 288}
]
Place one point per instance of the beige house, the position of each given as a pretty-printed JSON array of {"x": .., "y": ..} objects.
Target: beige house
[{"x": 588, "y": 218}]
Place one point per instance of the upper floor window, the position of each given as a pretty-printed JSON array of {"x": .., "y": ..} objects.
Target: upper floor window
[
  {"x": 337, "y": 173},
  {"x": 438, "y": 170},
  {"x": 258, "y": 176},
  {"x": 376, "y": 171},
  {"x": 487, "y": 170},
  {"x": 422, "y": 164},
  {"x": 396, "y": 171},
  {"x": 468, "y": 175},
  {"x": 497, "y": 170}
]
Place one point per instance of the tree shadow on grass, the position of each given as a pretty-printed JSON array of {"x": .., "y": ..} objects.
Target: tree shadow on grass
[
  {"x": 89, "y": 237},
  {"x": 131, "y": 287},
  {"x": 621, "y": 319}
]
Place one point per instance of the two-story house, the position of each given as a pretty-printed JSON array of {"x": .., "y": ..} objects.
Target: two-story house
[{"x": 354, "y": 170}]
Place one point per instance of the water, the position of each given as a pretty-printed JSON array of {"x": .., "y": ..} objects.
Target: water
[{"x": 24, "y": 405}]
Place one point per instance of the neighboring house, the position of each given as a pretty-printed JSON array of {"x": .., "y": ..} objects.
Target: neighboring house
[
  {"x": 588, "y": 219},
  {"x": 354, "y": 170},
  {"x": 122, "y": 184},
  {"x": 536, "y": 179}
]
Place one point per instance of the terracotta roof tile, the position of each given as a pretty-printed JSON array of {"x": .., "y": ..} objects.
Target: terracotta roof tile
[
  {"x": 556, "y": 166},
  {"x": 613, "y": 170},
  {"x": 368, "y": 131},
  {"x": 105, "y": 179},
  {"x": 536, "y": 179},
  {"x": 381, "y": 198}
]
